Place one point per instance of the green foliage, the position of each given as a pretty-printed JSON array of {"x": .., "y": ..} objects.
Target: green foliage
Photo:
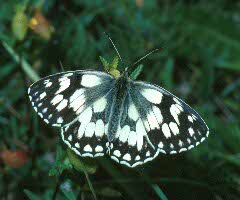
[
  {"x": 105, "y": 63},
  {"x": 86, "y": 166},
  {"x": 111, "y": 67},
  {"x": 61, "y": 164},
  {"x": 199, "y": 63},
  {"x": 136, "y": 72},
  {"x": 31, "y": 195}
]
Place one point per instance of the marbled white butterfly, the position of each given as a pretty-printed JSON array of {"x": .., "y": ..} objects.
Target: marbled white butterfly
[{"x": 101, "y": 114}]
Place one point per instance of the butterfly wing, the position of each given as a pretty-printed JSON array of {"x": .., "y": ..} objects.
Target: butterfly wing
[
  {"x": 60, "y": 98},
  {"x": 75, "y": 101},
  {"x": 155, "y": 122}
]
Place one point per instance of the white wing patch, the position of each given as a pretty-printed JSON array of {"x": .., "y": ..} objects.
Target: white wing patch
[
  {"x": 152, "y": 121},
  {"x": 63, "y": 104},
  {"x": 99, "y": 128},
  {"x": 57, "y": 99},
  {"x": 158, "y": 114},
  {"x": 175, "y": 112},
  {"x": 42, "y": 95},
  {"x": 166, "y": 130},
  {"x": 174, "y": 128},
  {"x": 132, "y": 138},
  {"x": 77, "y": 94},
  {"x": 132, "y": 112},
  {"x": 152, "y": 95},
  {"x": 100, "y": 105},
  {"x": 124, "y": 133},
  {"x": 64, "y": 84},
  {"x": 140, "y": 130},
  {"x": 90, "y": 80},
  {"x": 77, "y": 100}
]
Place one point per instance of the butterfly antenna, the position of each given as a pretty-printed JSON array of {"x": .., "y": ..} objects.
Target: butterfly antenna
[
  {"x": 61, "y": 65},
  {"x": 146, "y": 56},
  {"x": 114, "y": 47}
]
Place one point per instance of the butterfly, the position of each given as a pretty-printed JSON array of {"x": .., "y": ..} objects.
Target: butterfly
[{"x": 101, "y": 114}]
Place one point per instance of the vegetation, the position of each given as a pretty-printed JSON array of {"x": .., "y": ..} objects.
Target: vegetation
[{"x": 199, "y": 62}]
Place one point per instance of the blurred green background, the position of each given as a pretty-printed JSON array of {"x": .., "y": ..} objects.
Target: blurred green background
[{"x": 200, "y": 63}]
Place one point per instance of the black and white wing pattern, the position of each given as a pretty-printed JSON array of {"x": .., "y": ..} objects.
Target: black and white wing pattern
[
  {"x": 130, "y": 121},
  {"x": 155, "y": 121},
  {"x": 75, "y": 101}
]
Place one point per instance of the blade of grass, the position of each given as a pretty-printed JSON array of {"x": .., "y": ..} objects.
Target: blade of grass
[
  {"x": 158, "y": 190},
  {"x": 89, "y": 182},
  {"x": 31, "y": 195},
  {"x": 133, "y": 191},
  {"x": 153, "y": 185},
  {"x": 20, "y": 60},
  {"x": 136, "y": 72}
]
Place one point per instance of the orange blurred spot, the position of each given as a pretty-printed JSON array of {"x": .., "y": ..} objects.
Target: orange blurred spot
[
  {"x": 14, "y": 159},
  {"x": 139, "y": 3}
]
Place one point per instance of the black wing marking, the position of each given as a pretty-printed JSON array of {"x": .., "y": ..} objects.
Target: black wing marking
[{"x": 156, "y": 122}]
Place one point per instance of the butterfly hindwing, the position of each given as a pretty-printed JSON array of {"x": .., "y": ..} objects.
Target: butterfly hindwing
[{"x": 87, "y": 135}]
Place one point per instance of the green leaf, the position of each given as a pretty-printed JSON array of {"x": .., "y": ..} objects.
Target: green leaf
[
  {"x": 20, "y": 25},
  {"x": 136, "y": 72},
  {"x": 111, "y": 68},
  {"x": 61, "y": 163},
  {"x": 159, "y": 192},
  {"x": 83, "y": 164},
  {"x": 31, "y": 195},
  {"x": 80, "y": 166},
  {"x": 155, "y": 187},
  {"x": 104, "y": 62},
  {"x": 24, "y": 64},
  {"x": 115, "y": 63}
]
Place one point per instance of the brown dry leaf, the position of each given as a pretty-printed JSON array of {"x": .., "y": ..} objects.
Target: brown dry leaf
[
  {"x": 41, "y": 26},
  {"x": 140, "y": 3}
]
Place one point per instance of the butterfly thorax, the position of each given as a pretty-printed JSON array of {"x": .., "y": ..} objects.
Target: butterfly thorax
[{"x": 118, "y": 104}]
